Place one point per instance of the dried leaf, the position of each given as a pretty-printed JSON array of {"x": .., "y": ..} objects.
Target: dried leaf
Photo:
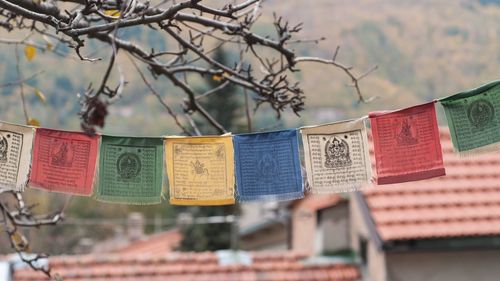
[
  {"x": 217, "y": 77},
  {"x": 41, "y": 96},
  {"x": 225, "y": 74},
  {"x": 34, "y": 122},
  {"x": 112, "y": 13},
  {"x": 30, "y": 52},
  {"x": 94, "y": 114}
]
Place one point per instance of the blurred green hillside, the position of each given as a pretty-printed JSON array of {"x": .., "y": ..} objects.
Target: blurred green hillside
[{"x": 424, "y": 49}]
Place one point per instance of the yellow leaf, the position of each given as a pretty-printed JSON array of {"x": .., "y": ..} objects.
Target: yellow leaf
[
  {"x": 217, "y": 77},
  {"x": 112, "y": 13},
  {"x": 29, "y": 52},
  {"x": 34, "y": 122},
  {"x": 226, "y": 74},
  {"x": 40, "y": 95}
]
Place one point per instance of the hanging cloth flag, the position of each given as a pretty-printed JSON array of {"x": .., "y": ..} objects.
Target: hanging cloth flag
[
  {"x": 130, "y": 170},
  {"x": 337, "y": 156},
  {"x": 268, "y": 166},
  {"x": 407, "y": 145},
  {"x": 64, "y": 161},
  {"x": 15, "y": 156},
  {"x": 474, "y": 119},
  {"x": 200, "y": 170}
]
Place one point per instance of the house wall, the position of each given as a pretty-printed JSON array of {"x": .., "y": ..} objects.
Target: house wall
[
  {"x": 251, "y": 214},
  {"x": 375, "y": 267},
  {"x": 303, "y": 229},
  {"x": 333, "y": 230},
  {"x": 5, "y": 271},
  {"x": 358, "y": 225},
  {"x": 444, "y": 266}
]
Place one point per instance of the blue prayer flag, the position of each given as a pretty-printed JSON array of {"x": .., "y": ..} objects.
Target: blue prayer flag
[{"x": 268, "y": 166}]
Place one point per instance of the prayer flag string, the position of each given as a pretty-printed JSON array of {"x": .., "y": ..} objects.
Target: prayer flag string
[{"x": 265, "y": 166}]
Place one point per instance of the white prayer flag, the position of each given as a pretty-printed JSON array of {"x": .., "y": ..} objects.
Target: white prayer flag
[
  {"x": 16, "y": 143},
  {"x": 336, "y": 156}
]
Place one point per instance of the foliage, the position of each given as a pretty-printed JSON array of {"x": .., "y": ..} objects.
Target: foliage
[
  {"x": 224, "y": 105},
  {"x": 207, "y": 237}
]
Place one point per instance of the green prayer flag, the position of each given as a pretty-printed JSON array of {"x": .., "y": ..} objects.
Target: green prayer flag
[
  {"x": 130, "y": 170},
  {"x": 474, "y": 119}
]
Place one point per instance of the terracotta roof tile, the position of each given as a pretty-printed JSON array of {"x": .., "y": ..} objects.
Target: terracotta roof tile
[
  {"x": 465, "y": 202},
  {"x": 190, "y": 267},
  {"x": 157, "y": 244},
  {"x": 317, "y": 202}
]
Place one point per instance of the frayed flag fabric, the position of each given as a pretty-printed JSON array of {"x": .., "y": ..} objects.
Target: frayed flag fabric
[
  {"x": 336, "y": 156},
  {"x": 406, "y": 144},
  {"x": 64, "y": 162},
  {"x": 200, "y": 170},
  {"x": 130, "y": 170},
  {"x": 16, "y": 144},
  {"x": 474, "y": 119},
  {"x": 268, "y": 166}
]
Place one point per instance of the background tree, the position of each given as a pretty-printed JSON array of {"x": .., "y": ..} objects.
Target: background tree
[
  {"x": 194, "y": 30},
  {"x": 223, "y": 105}
]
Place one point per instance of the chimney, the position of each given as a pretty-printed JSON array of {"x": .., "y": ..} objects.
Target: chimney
[{"x": 135, "y": 226}]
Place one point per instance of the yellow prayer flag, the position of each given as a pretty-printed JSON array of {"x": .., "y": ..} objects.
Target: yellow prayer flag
[{"x": 200, "y": 170}]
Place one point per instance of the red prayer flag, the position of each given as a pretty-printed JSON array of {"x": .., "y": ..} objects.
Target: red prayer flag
[
  {"x": 407, "y": 145},
  {"x": 64, "y": 161}
]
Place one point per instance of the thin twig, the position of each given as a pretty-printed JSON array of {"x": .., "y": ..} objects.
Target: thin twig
[
  {"x": 20, "y": 78},
  {"x": 158, "y": 96},
  {"x": 22, "y": 81}
]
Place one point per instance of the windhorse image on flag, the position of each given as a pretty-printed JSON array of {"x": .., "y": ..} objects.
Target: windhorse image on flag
[
  {"x": 474, "y": 119},
  {"x": 336, "y": 156},
  {"x": 268, "y": 166},
  {"x": 130, "y": 170}
]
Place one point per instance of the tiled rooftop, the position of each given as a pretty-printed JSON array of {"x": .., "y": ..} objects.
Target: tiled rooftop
[
  {"x": 465, "y": 202},
  {"x": 190, "y": 266}
]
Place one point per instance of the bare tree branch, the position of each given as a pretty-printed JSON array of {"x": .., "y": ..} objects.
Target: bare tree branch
[{"x": 194, "y": 29}]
